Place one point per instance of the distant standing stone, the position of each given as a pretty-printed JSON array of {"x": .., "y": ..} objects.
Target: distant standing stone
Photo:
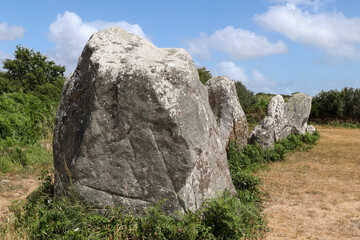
[{"x": 282, "y": 120}]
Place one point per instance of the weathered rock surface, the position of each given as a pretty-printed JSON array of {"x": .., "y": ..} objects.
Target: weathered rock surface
[
  {"x": 134, "y": 126},
  {"x": 276, "y": 110},
  {"x": 228, "y": 112},
  {"x": 283, "y": 119},
  {"x": 310, "y": 129},
  {"x": 263, "y": 133},
  {"x": 297, "y": 111}
]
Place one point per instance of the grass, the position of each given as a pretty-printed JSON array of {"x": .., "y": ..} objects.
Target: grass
[
  {"x": 24, "y": 159},
  {"x": 337, "y": 123},
  {"x": 26, "y": 123},
  {"x": 316, "y": 194},
  {"x": 25, "y": 128},
  {"x": 43, "y": 216}
]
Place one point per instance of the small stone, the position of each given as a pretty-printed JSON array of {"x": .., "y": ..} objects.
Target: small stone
[{"x": 310, "y": 129}]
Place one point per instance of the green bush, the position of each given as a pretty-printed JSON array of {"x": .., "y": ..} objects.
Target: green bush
[
  {"x": 204, "y": 74},
  {"x": 246, "y": 97},
  {"x": 24, "y": 120},
  {"x": 336, "y": 106},
  {"x": 25, "y": 117}
]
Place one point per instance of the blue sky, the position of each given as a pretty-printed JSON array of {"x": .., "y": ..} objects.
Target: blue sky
[{"x": 276, "y": 46}]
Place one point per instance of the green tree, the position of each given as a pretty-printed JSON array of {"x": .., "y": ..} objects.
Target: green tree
[
  {"x": 34, "y": 73},
  {"x": 246, "y": 97},
  {"x": 5, "y": 84},
  {"x": 204, "y": 74},
  {"x": 334, "y": 105}
]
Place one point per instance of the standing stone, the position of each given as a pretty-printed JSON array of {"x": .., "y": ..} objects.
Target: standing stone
[
  {"x": 282, "y": 120},
  {"x": 297, "y": 111},
  {"x": 228, "y": 112},
  {"x": 263, "y": 133},
  {"x": 134, "y": 126},
  {"x": 276, "y": 110}
]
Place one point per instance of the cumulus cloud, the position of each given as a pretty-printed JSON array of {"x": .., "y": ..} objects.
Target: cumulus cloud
[
  {"x": 237, "y": 73},
  {"x": 314, "y": 5},
  {"x": 239, "y": 44},
  {"x": 336, "y": 34},
  {"x": 70, "y": 34},
  {"x": 234, "y": 72},
  {"x": 10, "y": 32}
]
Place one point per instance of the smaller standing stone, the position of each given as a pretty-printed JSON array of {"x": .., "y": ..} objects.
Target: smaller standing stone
[
  {"x": 297, "y": 111},
  {"x": 310, "y": 129},
  {"x": 263, "y": 133},
  {"x": 283, "y": 119},
  {"x": 276, "y": 111},
  {"x": 227, "y": 110}
]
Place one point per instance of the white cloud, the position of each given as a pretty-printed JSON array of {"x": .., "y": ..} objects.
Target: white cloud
[
  {"x": 238, "y": 43},
  {"x": 336, "y": 34},
  {"x": 70, "y": 34},
  {"x": 10, "y": 32},
  {"x": 312, "y": 4},
  {"x": 234, "y": 72},
  {"x": 258, "y": 79},
  {"x": 237, "y": 73}
]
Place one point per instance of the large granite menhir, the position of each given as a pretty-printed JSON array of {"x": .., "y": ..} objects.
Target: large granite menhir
[{"x": 134, "y": 126}]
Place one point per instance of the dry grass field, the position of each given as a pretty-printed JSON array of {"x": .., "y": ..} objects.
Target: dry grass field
[
  {"x": 316, "y": 194},
  {"x": 14, "y": 188}
]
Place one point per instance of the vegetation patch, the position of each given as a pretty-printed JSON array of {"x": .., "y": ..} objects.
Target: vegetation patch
[
  {"x": 29, "y": 95},
  {"x": 337, "y": 108},
  {"x": 26, "y": 118},
  {"x": 43, "y": 216}
]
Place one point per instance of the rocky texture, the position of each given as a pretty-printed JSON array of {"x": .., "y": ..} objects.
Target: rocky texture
[
  {"x": 276, "y": 110},
  {"x": 310, "y": 129},
  {"x": 134, "y": 126},
  {"x": 229, "y": 114},
  {"x": 283, "y": 119},
  {"x": 297, "y": 111},
  {"x": 263, "y": 133}
]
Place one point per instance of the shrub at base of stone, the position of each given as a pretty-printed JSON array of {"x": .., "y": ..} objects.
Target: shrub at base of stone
[{"x": 134, "y": 126}]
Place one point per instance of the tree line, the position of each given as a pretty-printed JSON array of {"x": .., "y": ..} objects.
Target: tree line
[{"x": 335, "y": 105}]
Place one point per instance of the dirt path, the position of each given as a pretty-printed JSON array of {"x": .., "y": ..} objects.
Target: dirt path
[
  {"x": 316, "y": 194},
  {"x": 14, "y": 188}
]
